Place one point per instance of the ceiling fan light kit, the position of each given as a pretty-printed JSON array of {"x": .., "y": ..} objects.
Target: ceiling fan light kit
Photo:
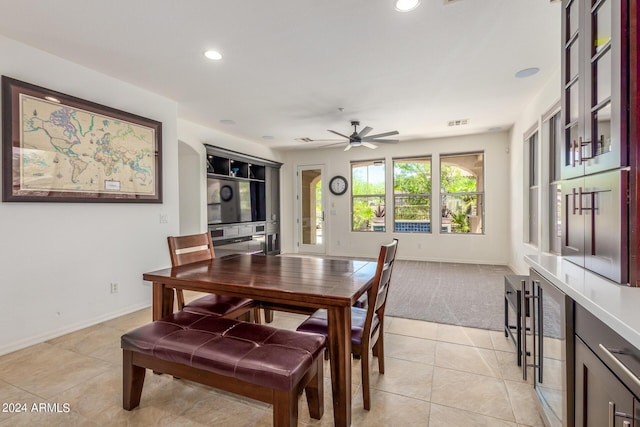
[{"x": 406, "y": 5}]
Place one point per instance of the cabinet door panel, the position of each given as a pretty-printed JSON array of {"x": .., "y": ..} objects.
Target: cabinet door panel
[
  {"x": 605, "y": 215},
  {"x": 608, "y": 141},
  {"x": 595, "y": 63},
  {"x": 598, "y": 392},
  {"x": 572, "y": 221}
]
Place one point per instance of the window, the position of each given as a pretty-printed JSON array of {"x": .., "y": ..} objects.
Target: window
[
  {"x": 462, "y": 193},
  {"x": 368, "y": 196},
  {"x": 533, "y": 188},
  {"x": 412, "y": 195},
  {"x": 554, "y": 129}
]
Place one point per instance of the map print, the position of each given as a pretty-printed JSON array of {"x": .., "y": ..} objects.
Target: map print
[{"x": 66, "y": 149}]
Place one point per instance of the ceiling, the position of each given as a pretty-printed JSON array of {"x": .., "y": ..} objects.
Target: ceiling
[{"x": 293, "y": 69}]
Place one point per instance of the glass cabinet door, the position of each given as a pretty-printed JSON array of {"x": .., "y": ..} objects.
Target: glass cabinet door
[{"x": 594, "y": 86}]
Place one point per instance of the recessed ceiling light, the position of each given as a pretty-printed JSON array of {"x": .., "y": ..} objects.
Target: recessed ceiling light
[
  {"x": 406, "y": 5},
  {"x": 527, "y": 72},
  {"x": 227, "y": 122},
  {"x": 213, "y": 55}
]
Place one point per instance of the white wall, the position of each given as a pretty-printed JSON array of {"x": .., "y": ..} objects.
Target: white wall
[
  {"x": 489, "y": 248},
  {"x": 58, "y": 259},
  {"x": 531, "y": 115}
]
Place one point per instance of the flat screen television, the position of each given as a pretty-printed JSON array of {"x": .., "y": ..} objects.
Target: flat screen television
[{"x": 231, "y": 201}]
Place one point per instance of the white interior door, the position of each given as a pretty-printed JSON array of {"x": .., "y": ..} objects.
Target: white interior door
[{"x": 311, "y": 209}]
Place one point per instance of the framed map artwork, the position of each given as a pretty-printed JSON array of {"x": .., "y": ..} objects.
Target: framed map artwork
[{"x": 59, "y": 148}]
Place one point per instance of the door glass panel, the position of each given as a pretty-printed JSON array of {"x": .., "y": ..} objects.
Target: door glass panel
[
  {"x": 572, "y": 60},
  {"x": 555, "y": 219},
  {"x": 312, "y": 215},
  {"x": 572, "y": 19},
  {"x": 602, "y": 23},
  {"x": 572, "y": 106},
  {"x": 571, "y": 136},
  {"x": 602, "y": 77},
  {"x": 602, "y": 129}
]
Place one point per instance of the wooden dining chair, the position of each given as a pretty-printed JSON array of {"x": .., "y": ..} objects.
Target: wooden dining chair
[
  {"x": 199, "y": 247},
  {"x": 367, "y": 324}
]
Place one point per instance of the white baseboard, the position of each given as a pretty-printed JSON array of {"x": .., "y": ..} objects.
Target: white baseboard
[{"x": 37, "y": 339}]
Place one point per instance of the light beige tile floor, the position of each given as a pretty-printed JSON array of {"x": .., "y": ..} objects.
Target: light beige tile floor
[{"x": 436, "y": 375}]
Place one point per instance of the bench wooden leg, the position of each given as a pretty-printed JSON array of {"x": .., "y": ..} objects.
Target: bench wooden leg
[
  {"x": 285, "y": 408},
  {"x": 268, "y": 315},
  {"x": 132, "y": 381},
  {"x": 315, "y": 392}
]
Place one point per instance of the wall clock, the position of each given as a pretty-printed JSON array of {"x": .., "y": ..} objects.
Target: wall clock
[
  {"x": 226, "y": 193},
  {"x": 338, "y": 185}
]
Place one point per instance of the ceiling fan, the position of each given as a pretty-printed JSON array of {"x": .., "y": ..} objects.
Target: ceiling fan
[{"x": 356, "y": 139}]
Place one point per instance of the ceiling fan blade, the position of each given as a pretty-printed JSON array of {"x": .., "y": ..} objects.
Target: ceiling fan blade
[
  {"x": 368, "y": 145},
  {"x": 338, "y": 133},
  {"x": 348, "y": 147},
  {"x": 388, "y": 141},
  {"x": 331, "y": 145},
  {"x": 380, "y": 135},
  {"x": 365, "y": 131}
]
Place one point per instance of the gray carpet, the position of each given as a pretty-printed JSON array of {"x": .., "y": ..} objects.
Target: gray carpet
[{"x": 457, "y": 294}]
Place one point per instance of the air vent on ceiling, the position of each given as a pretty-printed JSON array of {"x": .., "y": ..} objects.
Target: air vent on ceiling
[{"x": 460, "y": 122}]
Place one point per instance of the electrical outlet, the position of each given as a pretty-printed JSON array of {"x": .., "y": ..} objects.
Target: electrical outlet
[{"x": 114, "y": 288}]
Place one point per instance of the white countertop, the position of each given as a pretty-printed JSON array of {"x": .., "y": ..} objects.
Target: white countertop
[{"x": 618, "y": 306}]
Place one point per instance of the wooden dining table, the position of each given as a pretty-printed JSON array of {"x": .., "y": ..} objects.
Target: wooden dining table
[{"x": 304, "y": 282}]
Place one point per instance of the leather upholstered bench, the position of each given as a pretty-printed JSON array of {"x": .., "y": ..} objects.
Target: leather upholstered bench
[{"x": 257, "y": 361}]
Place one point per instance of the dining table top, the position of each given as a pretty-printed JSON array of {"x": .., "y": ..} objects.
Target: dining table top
[
  {"x": 305, "y": 281},
  {"x": 284, "y": 281}
]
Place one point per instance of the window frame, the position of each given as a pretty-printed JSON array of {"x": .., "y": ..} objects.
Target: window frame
[
  {"x": 481, "y": 195},
  {"x": 383, "y": 195},
  {"x": 532, "y": 186},
  {"x": 429, "y": 195},
  {"x": 552, "y": 145}
]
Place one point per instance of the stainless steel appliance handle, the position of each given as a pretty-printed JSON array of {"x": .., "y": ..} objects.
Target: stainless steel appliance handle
[
  {"x": 532, "y": 296},
  {"x": 593, "y": 223},
  {"x": 610, "y": 354},
  {"x": 523, "y": 315},
  {"x": 566, "y": 220},
  {"x": 540, "y": 334}
]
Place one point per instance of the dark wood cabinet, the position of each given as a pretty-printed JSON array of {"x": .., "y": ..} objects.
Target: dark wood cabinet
[
  {"x": 602, "y": 399},
  {"x": 596, "y": 78},
  {"x": 595, "y": 70},
  {"x": 595, "y": 218},
  {"x": 606, "y": 375},
  {"x": 243, "y": 202}
]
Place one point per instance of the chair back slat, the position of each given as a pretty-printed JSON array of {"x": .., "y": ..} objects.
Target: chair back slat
[
  {"x": 385, "y": 276},
  {"x": 380, "y": 289},
  {"x": 190, "y": 249}
]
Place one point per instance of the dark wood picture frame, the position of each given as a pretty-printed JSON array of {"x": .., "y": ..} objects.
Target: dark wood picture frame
[{"x": 76, "y": 150}]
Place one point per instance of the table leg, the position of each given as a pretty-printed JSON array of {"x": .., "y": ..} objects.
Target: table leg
[
  {"x": 162, "y": 300},
  {"x": 339, "y": 319}
]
